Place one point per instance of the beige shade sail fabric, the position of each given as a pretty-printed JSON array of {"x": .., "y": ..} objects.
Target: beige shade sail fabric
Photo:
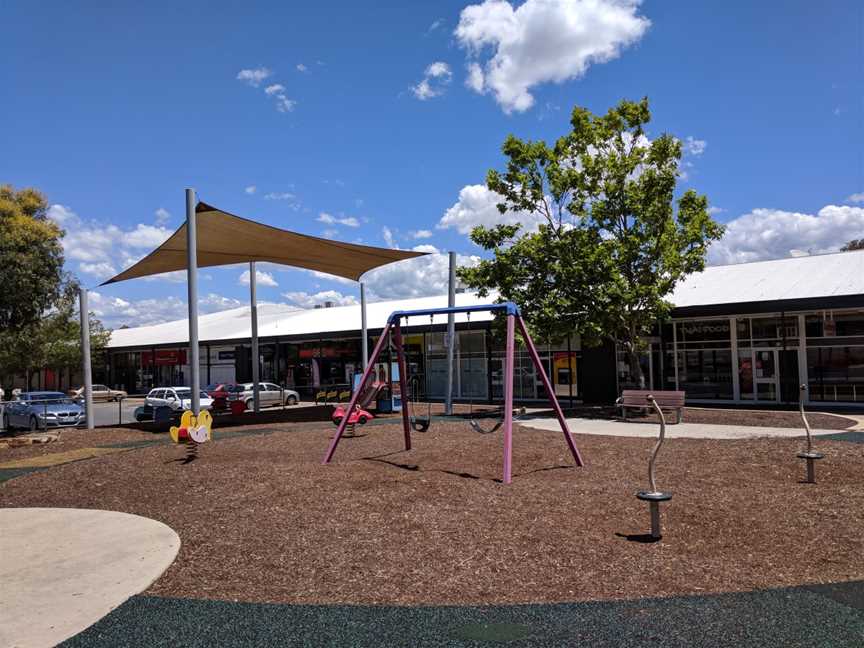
[{"x": 224, "y": 239}]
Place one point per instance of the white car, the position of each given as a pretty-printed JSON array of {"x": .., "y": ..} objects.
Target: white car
[
  {"x": 177, "y": 398},
  {"x": 269, "y": 395}
]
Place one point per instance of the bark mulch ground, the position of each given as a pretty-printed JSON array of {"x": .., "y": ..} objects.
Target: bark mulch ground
[{"x": 262, "y": 520}]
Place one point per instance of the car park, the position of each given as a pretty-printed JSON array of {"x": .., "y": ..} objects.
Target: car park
[
  {"x": 101, "y": 393},
  {"x": 223, "y": 394},
  {"x": 269, "y": 395},
  {"x": 178, "y": 399},
  {"x": 41, "y": 410}
]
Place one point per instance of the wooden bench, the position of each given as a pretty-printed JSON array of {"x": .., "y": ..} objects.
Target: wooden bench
[{"x": 638, "y": 399}]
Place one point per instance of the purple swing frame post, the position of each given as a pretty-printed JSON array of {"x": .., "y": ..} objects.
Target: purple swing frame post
[{"x": 514, "y": 319}]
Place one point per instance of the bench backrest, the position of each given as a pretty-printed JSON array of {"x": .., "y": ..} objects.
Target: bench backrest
[{"x": 663, "y": 398}]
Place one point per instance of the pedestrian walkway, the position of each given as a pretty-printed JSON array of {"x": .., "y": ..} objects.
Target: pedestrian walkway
[
  {"x": 64, "y": 569},
  {"x": 605, "y": 427}
]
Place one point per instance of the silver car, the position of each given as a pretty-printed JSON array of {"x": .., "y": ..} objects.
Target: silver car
[
  {"x": 42, "y": 410},
  {"x": 177, "y": 398},
  {"x": 269, "y": 395}
]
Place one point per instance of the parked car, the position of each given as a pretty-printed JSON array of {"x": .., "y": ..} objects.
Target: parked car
[
  {"x": 43, "y": 409},
  {"x": 223, "y": 394},
  {"x": 101, "y": 393},
  {"x": 177, "y": 398},
  {"x": 269, "y": 395}
]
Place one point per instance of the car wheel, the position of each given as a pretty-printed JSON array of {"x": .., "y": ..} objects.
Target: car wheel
[
  {"x": 291, "y": 400},
  {"x": 34, "y": 424},
  {"x": 250, "y": 404},
  {"x": 362, "y": 420}
]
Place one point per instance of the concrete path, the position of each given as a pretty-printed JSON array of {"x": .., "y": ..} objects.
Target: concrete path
[
  {"x": 673, "y": 431},
  {"x": 64, "y": 569}
]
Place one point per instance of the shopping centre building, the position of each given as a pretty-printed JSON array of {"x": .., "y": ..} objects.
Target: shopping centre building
[{"x": 746, "y": 333}]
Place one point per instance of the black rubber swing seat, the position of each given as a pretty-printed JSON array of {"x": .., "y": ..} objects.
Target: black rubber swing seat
[{"x": 421, "y": 425}]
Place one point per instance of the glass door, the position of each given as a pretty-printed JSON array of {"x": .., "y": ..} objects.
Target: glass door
[{"x": 765, "y": 375}]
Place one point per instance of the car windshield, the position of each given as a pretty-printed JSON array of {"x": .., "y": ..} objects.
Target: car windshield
[
  {"x": 48, "y": 397},
  {"x": 185, "y": 392}
]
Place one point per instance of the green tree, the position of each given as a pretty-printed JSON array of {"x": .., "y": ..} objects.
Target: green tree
[
  {"x": 31, "y": 258},
  {"x": 854, "y": 244},
  {"x": 613, "y": 240}
]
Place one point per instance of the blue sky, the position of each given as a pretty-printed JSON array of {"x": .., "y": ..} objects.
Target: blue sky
[{"x": 112, "y": 111}]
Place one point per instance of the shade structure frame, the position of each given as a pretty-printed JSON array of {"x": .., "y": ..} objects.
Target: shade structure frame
[{"x": 224, "y": 238}]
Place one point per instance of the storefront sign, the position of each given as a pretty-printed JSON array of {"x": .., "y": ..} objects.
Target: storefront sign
[{"x": 164, "y": 357}]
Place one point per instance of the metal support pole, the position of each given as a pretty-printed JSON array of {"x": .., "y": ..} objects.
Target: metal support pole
[
  {"x": 403, "y": 381},
  {"x": 451, "y": 335},
  {"x": 364, "y": 332},
  {"x": 253, "y": 301},
  {"x": 509, "y": 355},
  {"x": 356, "y": 395},
  {"x": 86, "y": 371},
  {"x": 538, "y": 365},
  {"x": 808, "y": 455},
  {"x": 192, "y": 282}
]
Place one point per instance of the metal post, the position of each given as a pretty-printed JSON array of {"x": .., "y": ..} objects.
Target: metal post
[
  {"x": 253, "y": 301},
  {"x": 538, "y": 365},
  {"x": 364, "y": 332},
  {"x": 86, "y": 371},
  {"x": 451, "y": 335},
  {"x": 810, "y": 456},
  {"x": 403, "y": 381},
  {"x": 192, "y": 282},
  {"x": 509, "y": 356},
  {"x": 356, "y": 395}
]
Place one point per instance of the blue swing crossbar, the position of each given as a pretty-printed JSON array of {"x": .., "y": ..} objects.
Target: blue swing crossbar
[{"x": 508, "y": 307}]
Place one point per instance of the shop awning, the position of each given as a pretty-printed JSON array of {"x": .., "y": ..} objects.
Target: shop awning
[{"x": 225, "y": 239}]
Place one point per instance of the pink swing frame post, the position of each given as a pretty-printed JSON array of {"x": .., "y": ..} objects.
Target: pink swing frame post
[{"x": 513, "y": 319}]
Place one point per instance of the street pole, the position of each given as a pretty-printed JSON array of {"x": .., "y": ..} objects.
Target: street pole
[
  {"x": 253, "y": 300},
  {"x": 364, "y": 343},
  {"x": 86, "y": 371},
  {"x": 192, "y": 283},
  {"x": 451, "y": 335}
]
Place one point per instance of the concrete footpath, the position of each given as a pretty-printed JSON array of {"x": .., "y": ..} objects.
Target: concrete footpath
[
  {"x": 64, "y": 569},
  {"x": 606, "y": 427}
]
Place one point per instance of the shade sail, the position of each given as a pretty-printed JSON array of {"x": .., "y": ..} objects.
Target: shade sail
[{"x": 224, "y": 239}]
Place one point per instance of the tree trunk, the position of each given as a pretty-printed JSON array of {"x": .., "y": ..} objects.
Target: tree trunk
[{"x": 636, "y": 367}]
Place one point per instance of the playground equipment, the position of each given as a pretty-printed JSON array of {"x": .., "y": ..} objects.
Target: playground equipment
[
  {"x": 654, "y": 496},
  {"x": 193, "y": 431},
  {"x": 810, "y": 456},
  {"x": 514, "y": 319}
]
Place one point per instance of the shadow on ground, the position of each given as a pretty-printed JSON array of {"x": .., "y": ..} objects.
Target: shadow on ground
[{"x": 821, "y": 615}]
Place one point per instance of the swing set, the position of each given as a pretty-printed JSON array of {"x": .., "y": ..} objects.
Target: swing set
[{"x": 410, "y": 420}]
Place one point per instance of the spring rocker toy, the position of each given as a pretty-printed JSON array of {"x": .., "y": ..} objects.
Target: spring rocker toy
[{"x": 192, "y": 432}]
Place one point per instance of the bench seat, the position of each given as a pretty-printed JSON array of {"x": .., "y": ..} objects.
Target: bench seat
[{"x": 638, "y": 399}]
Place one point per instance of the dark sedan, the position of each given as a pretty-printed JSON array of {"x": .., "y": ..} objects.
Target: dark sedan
[{"x": 42, "y": 410}]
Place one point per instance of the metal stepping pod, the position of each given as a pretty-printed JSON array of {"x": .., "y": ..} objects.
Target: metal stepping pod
[
  {"x": 810, "y": 456},
  {"x": 655, "y": 496}
]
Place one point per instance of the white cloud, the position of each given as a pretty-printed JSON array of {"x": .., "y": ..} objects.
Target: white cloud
[
  {"x": 284, "y": 104},
  {"x": 774, "y": 233},
  {"x": 330, "y": 233},
  {"x": 435, "y": 80},
  {"x": 715, "y": 210},
  {"x": 435, "y": 25},
  {"x": 254, "y": 77},
  {"x": 542, "y": 41},
  {"x": 477, "y": 205},
  {"x": 348, "y": 221},
  {"x": 693, "y": 146},
  {"x": 307, "y": 300},
  {"x": 261, "y": 278},
  {"x": 98, "y": 248},
  {"x": 276, "y": 88},
  {"x": 422, "y": 234},
  {"x": 389, "y": 239},
  {"x": 281, "y": 195},
  {"x": 420, "y": 277},
  {"x": 475, "y": 80},
  {"x": 115, "y": 312},
  {"x": 856, "y": 197},
  {"x": 60, "y": 214},
  {"x": 162, "y": 216},
  {"x": 302, "y": 68},
  {"x": 251, "y": 189}
]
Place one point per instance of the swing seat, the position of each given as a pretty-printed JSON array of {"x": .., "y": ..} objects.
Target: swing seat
[
  {"x": 479, "y": 428},
  {"x": 421, "y": 425}
]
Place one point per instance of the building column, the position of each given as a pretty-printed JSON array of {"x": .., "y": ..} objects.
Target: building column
[
  {"x": 733, "y": 337},
  {"x": 674, "y": 354},
  {"x": 803, "y": 377}
]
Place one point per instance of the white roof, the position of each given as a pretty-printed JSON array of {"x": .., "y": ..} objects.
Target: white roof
[
  {"x": 826, "y": 275},
  {"x": 823, "y": 275},
  {"x": 279, "y": 319}
]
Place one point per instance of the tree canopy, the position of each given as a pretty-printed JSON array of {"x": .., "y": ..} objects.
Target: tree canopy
[
  {"x": 31, "y": 258},
  {"x": 854, "y": 244},
  {"x": 602, "y": 238}
]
